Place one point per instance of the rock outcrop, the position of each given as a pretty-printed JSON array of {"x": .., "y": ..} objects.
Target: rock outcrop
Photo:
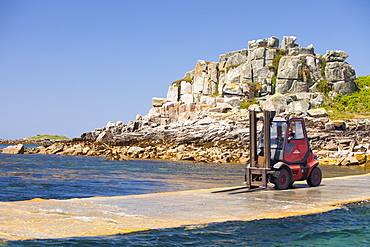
[
  {"x": 340, "y": 75},
  {"x": 14, "y": 149},
  {"x": 258, "y": 73},
  {"x": 204, "y": 115},
  {"x": 217, "y": 138}
]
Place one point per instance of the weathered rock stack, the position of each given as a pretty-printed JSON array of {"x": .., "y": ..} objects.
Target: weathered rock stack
[
  {"x": 271, "y": 75},
  {"x": 204, "y": 116},
  {"x": 285, "y": 79}
]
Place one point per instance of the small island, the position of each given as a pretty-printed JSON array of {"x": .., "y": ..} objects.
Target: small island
[{"x": 47, "y": 137}]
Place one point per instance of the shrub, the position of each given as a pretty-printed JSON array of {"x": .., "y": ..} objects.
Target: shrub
[
  {"x": 323, "y": 87},
  {"x": 363, "y": 82},
  {"x": 246, "y": 103}
]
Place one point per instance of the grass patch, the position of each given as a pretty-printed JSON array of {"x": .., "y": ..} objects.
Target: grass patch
[
  {"x": 363, "y": 82},
  {"x": 245, "y": 104}
]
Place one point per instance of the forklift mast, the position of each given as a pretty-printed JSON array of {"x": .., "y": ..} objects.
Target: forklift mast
[{"x": 259, "y": 166}]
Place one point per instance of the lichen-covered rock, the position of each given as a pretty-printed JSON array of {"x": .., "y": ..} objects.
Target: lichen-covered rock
[
  {"x": 310, "y": 50},
  {"x": 339, "y": 71},
  {"x": 349, "y": 161},
  {"x": 158, "y": 102},
  {"x": 314, "y": 64},
  {"x": 344, "y": 87},
  {"x": 285, "y": 86},
  {"x": 317, "y": 113},
  {"x": 335, "y": 56},
  {"x": 288, "y": 42},
  {"x": 232, "y": 58},
  {"x": 185, "y": 87},
  {"x": 236, "y": 59},
  {"x": 336, "y": 125},
  {"x": 290, "y": 67},
  {"x": 199, "y": 76},
  {"x": 257, "y": 43},
  {"x": 276, "y": 102},
  {"x": 273, "y": 42},
  {"x": 172, "y": 95},
  {"x": 298, "y": 107},
  {"x": 187, "y": 98},
  {"x": 234, "y": 102},
  {"x": 105, "y": 135},
  {"x": 246, "y": 71},
  {"x": 270, "y": 54},
  {"x": 208, "y": 100},
  {"x": 233, "y": 75},
  {"x": 342, "y": 76},
  {"x": 233, "y": 89}
]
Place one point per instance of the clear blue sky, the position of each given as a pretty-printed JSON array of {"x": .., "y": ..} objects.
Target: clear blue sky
[{"x": 67, "y": 67}]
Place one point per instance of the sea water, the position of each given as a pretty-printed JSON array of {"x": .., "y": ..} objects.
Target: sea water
[{"x": 24, "y": 177}]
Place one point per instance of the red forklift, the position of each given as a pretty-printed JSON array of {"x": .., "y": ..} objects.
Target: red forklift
[{"x": 280, "y": 156}]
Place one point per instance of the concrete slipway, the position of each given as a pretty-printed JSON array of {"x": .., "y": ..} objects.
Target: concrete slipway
[{"x": 40, "y": 218}]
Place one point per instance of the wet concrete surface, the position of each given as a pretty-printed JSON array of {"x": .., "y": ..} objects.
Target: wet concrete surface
[{"x": 96, "y": 216}]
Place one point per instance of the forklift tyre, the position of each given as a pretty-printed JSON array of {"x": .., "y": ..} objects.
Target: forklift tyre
[
  {"x": 315, "y": 177},
  {"x": 283, "y": 180}
]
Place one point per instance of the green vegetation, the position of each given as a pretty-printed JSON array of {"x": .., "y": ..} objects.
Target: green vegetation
[
  {"x": 353, "y": 105},
  {"x": 246, "y": 103},
  {"x": 323, "y": 65},
  {"x": 275, "y": 62},
  {"x": 323, "y": 87},
  {"x": 273, "y": 81},
  {"x": 363, "y": 82},
  {"x": 50, "y": 137},
  {"x": 255, "y": 89}
]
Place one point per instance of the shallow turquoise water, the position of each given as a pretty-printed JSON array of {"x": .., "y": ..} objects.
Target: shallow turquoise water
[{"x": 24, "y": 177}]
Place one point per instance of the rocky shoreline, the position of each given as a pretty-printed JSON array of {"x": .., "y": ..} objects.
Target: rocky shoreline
[{"x": 216, "y": 138}]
